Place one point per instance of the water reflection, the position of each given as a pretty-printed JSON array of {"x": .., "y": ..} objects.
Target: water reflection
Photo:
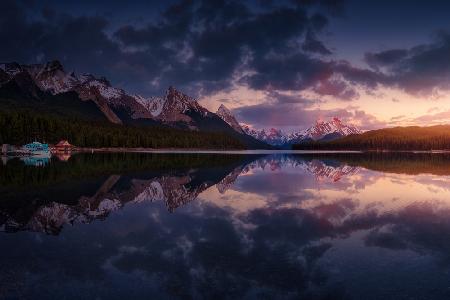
[
  {"x": 227, "y": 226},
  {"x": 36, "y": 161}
]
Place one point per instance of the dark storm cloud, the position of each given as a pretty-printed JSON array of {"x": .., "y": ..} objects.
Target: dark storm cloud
[
  {"x": 14, "y": 31},
  {"x": 266, "y": 114},
  {"x": 217, "y": 38},
  {"x": 312, "y": 44},
  {"x": 422, "y": 69},
  {"x": 206, "y": 46},
  {"x": 335, "y": 7},
  {"x": 293, "y": 72},
  {"x": 277, "y": 97},
  {"x": 366, "y": 78},
  {"x": 197, "y": 45},
  {"x": 338, "y": 88},
  {"x": 78, "y": 41},
  {"x": 385, "y": 58}
]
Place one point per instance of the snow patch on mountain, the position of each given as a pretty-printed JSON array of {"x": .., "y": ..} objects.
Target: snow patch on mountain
[
  {"x": 154, "y": 105},
  {"x": 106, "y": 206},
  {"x": 51, "y": 77},
  {"x": 177, "y": 106},
  {"x": 271, "y": 136},
  {"x": 105, "y": 90},
  {"x": 154, "y": 192}
]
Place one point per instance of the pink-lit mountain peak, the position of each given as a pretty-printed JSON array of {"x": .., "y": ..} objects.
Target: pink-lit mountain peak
[{"x": 332, "y": 129}]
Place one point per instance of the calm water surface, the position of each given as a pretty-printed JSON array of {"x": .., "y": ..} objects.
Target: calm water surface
[{"x": 216, "y": 226}]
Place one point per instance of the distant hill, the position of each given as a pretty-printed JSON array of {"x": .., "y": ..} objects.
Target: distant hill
[{"x": 398, "y": 138}]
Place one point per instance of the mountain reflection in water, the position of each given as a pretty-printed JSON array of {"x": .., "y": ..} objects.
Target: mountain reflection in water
[{"x": 226, "y": 226}]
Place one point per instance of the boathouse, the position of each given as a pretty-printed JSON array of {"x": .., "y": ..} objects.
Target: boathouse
[{"x": 63, "y": 146}]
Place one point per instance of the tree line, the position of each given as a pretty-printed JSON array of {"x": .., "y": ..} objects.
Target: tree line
[
  {"x": 398, "y": 138},
  {"x": 18, "y": 127}
]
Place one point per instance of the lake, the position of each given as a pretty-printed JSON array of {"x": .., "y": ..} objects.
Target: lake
[{"x": 226, "y": 226}]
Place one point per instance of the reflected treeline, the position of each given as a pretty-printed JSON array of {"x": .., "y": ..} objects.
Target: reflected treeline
[
  {"x": 391, "y": 162},
  {"x": 89, "y": 187},
  {"x": 16, "y": 173}
]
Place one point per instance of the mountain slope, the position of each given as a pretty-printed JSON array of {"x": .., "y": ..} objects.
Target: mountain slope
[
  {"x": 13, "y": 95},
  {"x": 225, "y": 114}
]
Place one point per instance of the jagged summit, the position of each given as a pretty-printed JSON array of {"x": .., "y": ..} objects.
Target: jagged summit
[
  {"x": 224, "y": 110},
  {"x": 321, "y": 128},
  {"x": 225, "y": 114},
  {"x": 54, "y": 65}
]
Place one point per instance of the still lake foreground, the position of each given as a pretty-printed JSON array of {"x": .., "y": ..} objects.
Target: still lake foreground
[{"x": 213, "y": 226}]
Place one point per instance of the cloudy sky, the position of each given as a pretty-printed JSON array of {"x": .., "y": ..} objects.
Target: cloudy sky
[{"x": 275, "y": 63}]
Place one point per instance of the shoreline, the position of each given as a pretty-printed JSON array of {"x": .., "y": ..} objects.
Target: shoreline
[
  {"x": 239, "y": 151},
  {"x": 193, "y": 150},
  {"x": 217, "y": 151}
]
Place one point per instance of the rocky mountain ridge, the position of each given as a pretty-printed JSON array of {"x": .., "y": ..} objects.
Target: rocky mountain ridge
[
  {"x": 321, "y": 131},
  {"x": 52, "y": 78},
  {"x": 175, "y": 109}
]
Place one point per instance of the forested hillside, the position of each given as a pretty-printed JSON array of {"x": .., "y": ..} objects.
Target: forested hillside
[
  {"x": 19, "y": 126},
  {"x": 398, "y": 138}
]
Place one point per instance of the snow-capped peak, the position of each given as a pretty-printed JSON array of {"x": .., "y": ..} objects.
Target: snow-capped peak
[
  {"x": 335, "y": 126},
  {"x": 85, "y": 77},
  {"x": 223, "y": 110},
  {"x": 51, "y": 77},
  {"x": 180, "y": 101},
  {"x": 105, "y": 89},
  {"x": 177, "y": 105},
  {"x": 271, "y": 136}
]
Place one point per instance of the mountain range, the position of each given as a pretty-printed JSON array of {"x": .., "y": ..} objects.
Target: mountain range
[
  {"x": 321, "y": 131},
  {"x": 48, "y": 87},
  {"x": 174, "y": 108}
]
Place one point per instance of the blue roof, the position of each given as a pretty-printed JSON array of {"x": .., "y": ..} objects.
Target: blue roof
[{"x": 36, "y": 145}]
